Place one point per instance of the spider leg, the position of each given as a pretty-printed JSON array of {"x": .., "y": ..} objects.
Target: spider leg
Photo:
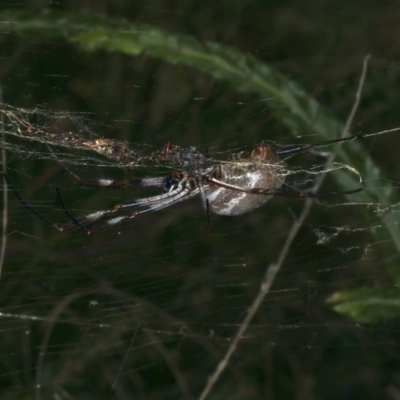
[
  {"x": 207, "y": 210},
  {"x": 305, "y": 147},
  {"x": 93, "y": 217},
  {"x": 306, "y": 195},
  {"x": 66, "y": 210},
  {"x": 282, "y": 192},
  {"x": 154, "y": 200},
  {"x": 75, "y": 223},
  {"x": 148, "y": 204},
  {"x": 148, "y": 200},
  {"x": 185, "y": 195},
  {"x": 206, "y": 203},
  {"x": 86, "y": 220},
  {"x": 159, "y": 202},
  {"x": 134, "y": 183},
  {"x": 153, "y": 206},
  {"x": 28, "y": 207},
  {"x": 144, "y": 205},
  {"x": 110, "y": 223}
]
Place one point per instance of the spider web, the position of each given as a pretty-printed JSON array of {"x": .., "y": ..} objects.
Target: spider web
[{"x": 149, "y": 308}]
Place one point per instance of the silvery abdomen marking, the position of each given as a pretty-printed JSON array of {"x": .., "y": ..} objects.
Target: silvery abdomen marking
[{"x": 260, "y": 168}]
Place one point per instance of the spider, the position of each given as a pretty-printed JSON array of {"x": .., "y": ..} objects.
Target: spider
[{"x": 245, "y": 182}]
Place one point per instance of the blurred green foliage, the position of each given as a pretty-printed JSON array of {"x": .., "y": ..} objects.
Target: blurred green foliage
[{"x": 153, "y": 304}]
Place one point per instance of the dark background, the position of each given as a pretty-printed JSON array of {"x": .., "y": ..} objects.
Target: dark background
[{"x": 127, "y": 313}]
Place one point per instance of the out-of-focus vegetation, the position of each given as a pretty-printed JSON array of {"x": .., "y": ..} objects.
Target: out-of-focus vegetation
[{"x": 149, "y": 307}]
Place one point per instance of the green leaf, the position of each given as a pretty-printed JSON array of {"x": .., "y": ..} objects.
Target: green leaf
[{"x": 366, "y": 305}]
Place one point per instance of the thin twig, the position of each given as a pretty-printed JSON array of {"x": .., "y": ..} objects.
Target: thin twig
[
  {"x": 274, "y": 268},
  {"x": 121, "y": 367},
  {"x": 5, "y": 191},
  {"x": 166, "y": 355},
  {"x": 4, "y": 68}
]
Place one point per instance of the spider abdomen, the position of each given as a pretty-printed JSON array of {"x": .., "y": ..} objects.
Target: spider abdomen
[{"x": 259, "y": 169}]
